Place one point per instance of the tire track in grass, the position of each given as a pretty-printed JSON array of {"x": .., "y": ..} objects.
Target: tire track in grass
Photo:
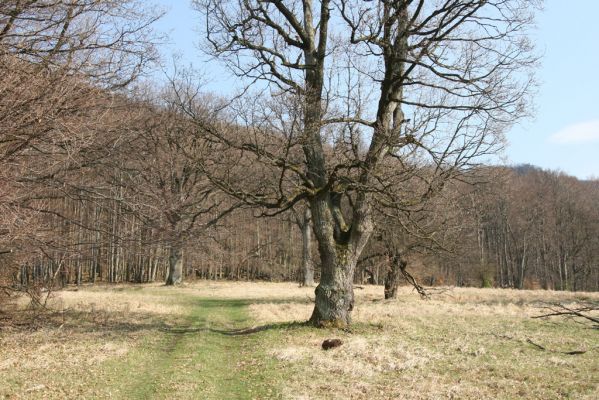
[{"x": 202, "y": 359}]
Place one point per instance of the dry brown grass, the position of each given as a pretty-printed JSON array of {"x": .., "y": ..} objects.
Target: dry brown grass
[
  {"x": 250, "y": 290},
  {"x": 118, "y": 302},
  {"x": 462, "y": 344},
  {"x": 58, "y": 353},
  {"x": 370, "y": 308}
]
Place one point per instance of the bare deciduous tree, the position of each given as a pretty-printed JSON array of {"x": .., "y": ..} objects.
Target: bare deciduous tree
[
  {"x": 170, "y": 192},
  {"x": 451, "y": 76}
]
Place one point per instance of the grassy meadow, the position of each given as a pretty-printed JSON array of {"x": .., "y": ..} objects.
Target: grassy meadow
[{"x": 234, "y": 340}]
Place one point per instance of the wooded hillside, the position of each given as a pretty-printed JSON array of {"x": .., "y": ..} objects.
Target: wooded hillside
[{"x": 105, "y": 181}]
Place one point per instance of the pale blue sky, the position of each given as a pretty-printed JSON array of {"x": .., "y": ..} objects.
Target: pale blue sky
[{"x": 564, "y": 134}]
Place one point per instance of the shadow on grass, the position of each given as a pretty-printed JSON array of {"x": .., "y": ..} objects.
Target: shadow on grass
[
  {"x": 238, "y": 303},
  {"x": 255, "y": 329},
  {"x": 126, "y": 321},
  {"x": 103, "y": 321},
  {"x": 130, "y": 321},
  {"x": 238, "y": 332},
  {"x": 356, "y": 328}
]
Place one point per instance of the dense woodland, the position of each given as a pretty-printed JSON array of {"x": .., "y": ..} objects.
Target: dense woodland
[
  {"x": 527, "y": 228},
  {"x": 103, "y": 179}
]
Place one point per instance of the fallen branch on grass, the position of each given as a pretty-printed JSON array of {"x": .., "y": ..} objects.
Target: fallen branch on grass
[
  {"x": 580, "y": 313},
  {"x": 570, "y": 353},
  {"x": 412, "y": 281},
  {"x": 435, "y": 291},
  {"x": 543, "y": 348}
]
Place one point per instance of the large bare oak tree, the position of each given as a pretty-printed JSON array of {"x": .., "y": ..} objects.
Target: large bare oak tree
[{"x": 432, "y": 84}]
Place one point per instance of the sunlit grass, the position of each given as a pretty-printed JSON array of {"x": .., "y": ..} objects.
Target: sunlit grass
[
  {"x": 462, "y": 344},
  {"x": 216, "y": 340}
]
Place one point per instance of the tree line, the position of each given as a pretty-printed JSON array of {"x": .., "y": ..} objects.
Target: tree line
[{"x": 360, "y": 130}]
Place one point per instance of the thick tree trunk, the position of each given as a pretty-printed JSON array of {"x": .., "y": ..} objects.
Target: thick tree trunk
[
  {"x": 335, "y": 293},
  {"x": 394, "y": 273},
  {"x": 307, "y": 267},
  {"x": 175, "y": 272},
  {"x": 339, "y": 248}
]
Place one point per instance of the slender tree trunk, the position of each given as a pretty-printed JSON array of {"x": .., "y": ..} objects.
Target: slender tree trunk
[
  {"x": 307, "y": 267},
  {"x": 522, "y": 267},
  {"x": 79, "y": 276},
  {"x": 155, "y": 267},
  {"x": 175, "y": 272}
]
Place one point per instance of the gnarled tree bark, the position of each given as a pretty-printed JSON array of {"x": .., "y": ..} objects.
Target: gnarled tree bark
[{"x": 175, "y": 265}]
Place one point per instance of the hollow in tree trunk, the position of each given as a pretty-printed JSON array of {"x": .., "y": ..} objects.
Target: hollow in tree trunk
[{"x": 175, "y": 272}]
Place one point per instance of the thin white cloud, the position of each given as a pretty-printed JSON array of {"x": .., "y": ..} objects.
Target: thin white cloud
[{"x": 585, "y": 132}]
